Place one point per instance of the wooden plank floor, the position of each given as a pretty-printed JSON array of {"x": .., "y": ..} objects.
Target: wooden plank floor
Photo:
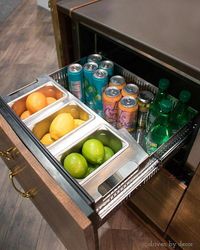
[{"x": 27, "y": 50}]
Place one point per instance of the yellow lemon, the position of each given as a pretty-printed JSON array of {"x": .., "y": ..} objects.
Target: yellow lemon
[
  {"x": 47, "y": 140},
  {"x": 41, "y": 128},
  {"x": 78, "y": 122},
  {"x": 83, "y": 115},
  {"x": 62, "y": 124}
]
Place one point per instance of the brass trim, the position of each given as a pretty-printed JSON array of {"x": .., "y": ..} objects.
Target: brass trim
[
  {"x": 9, "y": 154},
  {"x": 28, "y": 194}
]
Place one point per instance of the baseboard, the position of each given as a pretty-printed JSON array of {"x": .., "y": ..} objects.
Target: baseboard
[{"x": 43, "y": 3}]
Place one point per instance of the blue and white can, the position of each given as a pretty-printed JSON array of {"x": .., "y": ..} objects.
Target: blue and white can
[
  {"x": 108, "y": 66},
  {"x": 100, "y": 82},
  {"x": 88, "y": 70},
  {"x": 75, "y": 80}
]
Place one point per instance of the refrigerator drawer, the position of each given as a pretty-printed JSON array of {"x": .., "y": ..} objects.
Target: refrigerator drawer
[{"x": 55, "y": 205}]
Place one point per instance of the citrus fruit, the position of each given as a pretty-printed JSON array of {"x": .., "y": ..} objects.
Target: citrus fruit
[
  {"x": 35, "y": 102},
  {"x": 41, "y": 128},
  {"x": 115, "y": 143},
  {"x": 89, "y": 170},
  {"x": 76, "y": 165},
  {"x": 25, "y": 114},
  {"x": 93, "y": 151},
  {"x": 78, "y": 122},
  {"x": 62, "y": 124},
  {"x": 48, "y": 91},
  {"x": 50, "y": 100},
  {"x": 103, "y": 136},
  {"x": 83, "y": 115},
  {"x": 72, "y": 109},
  {"x": 19, "y": 106},
  {"x": 59, "y": 94},
  {"x": 47, "y": 140},
  {"x": 108, "y": 153}
]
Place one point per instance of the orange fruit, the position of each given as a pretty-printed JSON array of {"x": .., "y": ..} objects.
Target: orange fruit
[
  {"x": 76, "y": 165},
  {"x": 25, "y": 114},
  {"x": 19, "y": 106},
  {"x": 50, "y": 100},
  {"x": 59, "y": 94},
  {"x": 48, "y": 91},
  {"x": 36, "y": 101}
]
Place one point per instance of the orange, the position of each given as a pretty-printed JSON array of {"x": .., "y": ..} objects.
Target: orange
[
  {"x": 25, "y": 114},
  {"x": 19, "y": 106},
  {"x": 59, "y": 94},
  {"x": 48, "y": 91},
  {"x": 35, "y": 102},
  {"x": 50, "y": 100}
]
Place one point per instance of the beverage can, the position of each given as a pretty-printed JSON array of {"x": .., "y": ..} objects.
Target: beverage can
[
  {"x": 88, "y": 70},
  {"x": 117, "y": 81},
  {"x": 100, "y": 82},
  {"x": 130, "y": 89},
  {"x": 145, "y": 98},
  {"x": 94, "y": 58},
  {"x": 127, "y": 113},
  {"x": 75, "y": 80},
  {"x": 111, "y": 97},
  {"x": 108, "y": 66}
]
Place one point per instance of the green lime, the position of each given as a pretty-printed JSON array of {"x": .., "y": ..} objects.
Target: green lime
[
  {"x": 115, "y": 143},
  {"x": 103, "y": 136},
  {"x": 76, "y": 165},
  {"x": 93, "y": 151},
  {"x": 90, "y": 170},
  {"x": 108, "y": 153}
]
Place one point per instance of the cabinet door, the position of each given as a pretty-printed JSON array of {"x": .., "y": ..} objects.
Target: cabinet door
[
  {"x": 73, "y": 228},
  {"x": 159, "y": 198},
  {"x": 185, "y": 226}
]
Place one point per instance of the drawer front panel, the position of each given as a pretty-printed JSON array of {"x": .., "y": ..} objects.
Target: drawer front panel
[
  {"x": 65, "y": 218},
  {"x": 159, "y": 198}
]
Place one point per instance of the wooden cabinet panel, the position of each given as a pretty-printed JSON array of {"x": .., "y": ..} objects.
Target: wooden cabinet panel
[
  {"x": 185, "y": 226},
  {"x": 159, "y": 198},
  {"x": 69, "y": 223}
]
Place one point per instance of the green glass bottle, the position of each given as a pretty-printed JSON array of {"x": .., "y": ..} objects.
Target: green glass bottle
[
  {"x": 180, "y": 116},
  {"x": 154, "y": 110},
  {"x": 160, "y": 130}
]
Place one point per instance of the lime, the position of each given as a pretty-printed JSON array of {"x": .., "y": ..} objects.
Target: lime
[
  {"x": 108, "y": 153},
  {"x": 115, "y": 143},
  {"x": 93, "y": 151},
  {"x": 103, "y": 136},
  {"x": 89, "y": 170},
  {"x": 76, "y": 165}
]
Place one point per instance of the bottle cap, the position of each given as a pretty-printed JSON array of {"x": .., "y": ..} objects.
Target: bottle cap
[
  {"x": 166, "y": 105},
  {"x": 184, "y": 96},
  {"x": 163, "y": 84}
]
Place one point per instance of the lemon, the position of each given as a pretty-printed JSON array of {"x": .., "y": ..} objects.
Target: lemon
[
  {"x": 83, "y": 115},
  {"x": 93, "y": 151},
  {"x": 47, "y": 140},
  {"x": 41, "y": 128},
  {"x": 76, "y": 165},
  {"x": 78, "y": 122},
  {"x": 108, "y": 153},
  {"x": 62, "y": 124}
]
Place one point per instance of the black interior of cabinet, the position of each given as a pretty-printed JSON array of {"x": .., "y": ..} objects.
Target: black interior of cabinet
[{"x": 149, "y": 70}]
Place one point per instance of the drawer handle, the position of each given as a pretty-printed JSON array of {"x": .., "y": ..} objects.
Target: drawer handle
[
  {"x": 9, "y": 154},
  {"x": 27, "y": 194}
]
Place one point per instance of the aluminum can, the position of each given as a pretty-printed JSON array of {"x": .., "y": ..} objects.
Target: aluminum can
[
  {"x": 108, "y": 66},
  {"x": 144, "y": 100},
  {"x": 127, "y": 113},
  {"x": 100, "y": 82},
  {"x": 75, "y": 80},
  {"x": 130, "y": 89},
  {"x": 117, "y": 81},
  {"x": 111, "y": 97},
  {"x": 97, "y": 58},
  {"x": 88, "y": 71}
]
